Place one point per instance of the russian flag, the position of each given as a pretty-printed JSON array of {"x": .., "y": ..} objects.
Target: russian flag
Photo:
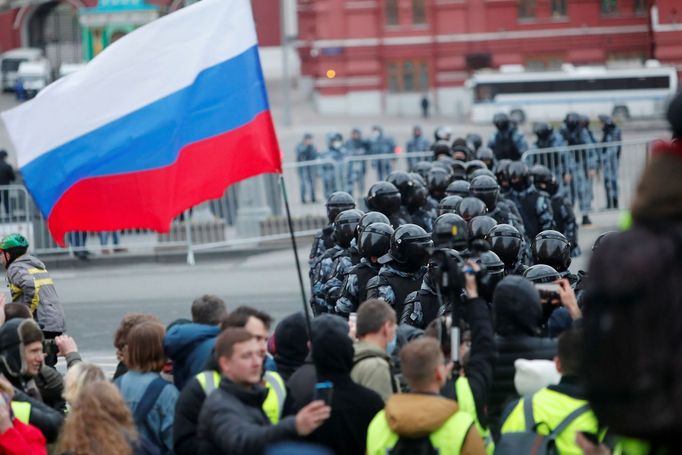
[{"x": 163, "y": 119}]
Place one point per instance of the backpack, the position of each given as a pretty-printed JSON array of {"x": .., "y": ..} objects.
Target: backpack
[
  {"x": 145, "y": 446},
  {"x": 530, "y": 442},
  {"x": 371, "y": 355}
]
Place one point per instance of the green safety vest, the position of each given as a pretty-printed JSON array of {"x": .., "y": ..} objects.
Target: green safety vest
[
  {"x": 22, "y": 411},
  {"x": 466, "y": 402},
  {"x": 447, "y": 440},
  {"x": 550, "y": 408},
  {"x": 274, "y": 401}
]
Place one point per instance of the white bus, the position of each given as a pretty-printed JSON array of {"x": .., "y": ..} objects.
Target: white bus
[
  {"x": 10, "y": 61},
  {"x": 538, "y": 96}
]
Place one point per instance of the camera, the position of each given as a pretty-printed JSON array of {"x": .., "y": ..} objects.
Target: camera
[{"x": 50, "y": 347}]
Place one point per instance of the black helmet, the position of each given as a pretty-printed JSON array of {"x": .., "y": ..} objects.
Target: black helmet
[
  {"x": 410, "y": 246},
  {"x": 584, "y": 121},
  {"x": 459, "y": 170},
  {"x": 479, "y": 172},
  {"x": 402, "y": 181},
  {"x": 375, "y": 240},
  {"x": 449, "y": 204},
  {"x": 458, "y": 188},
  {"x": 541, "y": 273},
  {"x": 480, "y": 226},
  {"x": 337, "y": 203},
  {"x": 450, "y": 231},
  {"x": 345, "y": 226},
  {"x": 439, "y": 179},
  {"x": 383, "y": 197},
  {"x": 471, "y": 207},
  {"x": 475, "y": 165},
  {"x": 418, "y": 178},
  {"x": 475, "y": 141},
  {"x": 518, "y": 169},
  {"x": 501, "y": 121},
  {"x": 486, "y": 155},
  {"x": 416, "y": 194},
  {"x": 502, "y": 175},
  {"x": 460, "y": 151},
  {"x": 552, "y": 248},
  {"x": 572, "y": 120},
  {"x": 505, "y": 240},
  {"x": 601, "y": 238},
  {"x": 542, "y": 130},
  {"x": 442, "y": 164},
  {"x": 443, "y": 133},
  {"x": 369, "y": 218},
  {"x": 542, "y": 177},
  {"x": 422, "y": 168},
  {"x": 486, "y": 189},
  {"x": 494, "y": 271},
  {"x": 440, "y": 148}
]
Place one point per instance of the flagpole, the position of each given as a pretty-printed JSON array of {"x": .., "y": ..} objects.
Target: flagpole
[{"x": 304, "y": 300}]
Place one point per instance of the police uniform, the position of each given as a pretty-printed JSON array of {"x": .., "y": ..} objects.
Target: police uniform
[
  {"x": 565, "y": 221},
  {"x": 306, "y": 174},
  {"x": 354, "y": 288},
  {"x": 610, "y": 157},
  {"x": 535, "y": 209},
  {"x": 393, "y": 286},
  {"x": 582, "y": 161},
  {"x": 509, "y": 144},
  {"x": 356, "y": 169}
]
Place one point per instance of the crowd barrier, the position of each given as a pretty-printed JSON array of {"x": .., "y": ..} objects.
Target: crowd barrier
[{"x": 222, "y": 223}]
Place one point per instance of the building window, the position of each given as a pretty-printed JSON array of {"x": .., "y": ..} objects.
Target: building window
[
  {"x": 559, "y": 8},
  {"x": 408, "y": 76},
  {"x": 391, "y": 12},
  {"x": 640, "y": 6},
  {"x": 418, "y": 12},
  {"x": 526, "y": 9},
  {"x": 609, "y": 6}
]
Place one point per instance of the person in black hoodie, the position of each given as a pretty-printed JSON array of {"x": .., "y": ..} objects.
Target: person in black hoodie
[
  {"x": 289, "y": 345},
  {"x": 518, "y": 316},
  {"x": 353, "y": 406}
]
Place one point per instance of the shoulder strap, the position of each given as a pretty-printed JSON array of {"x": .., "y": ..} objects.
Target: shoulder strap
[
  {"x": 528, "y": 413},
  {"x": 568, "y": 420},
  {"x": 371, "y": 355},
  {"x": 151, "y": 394}
]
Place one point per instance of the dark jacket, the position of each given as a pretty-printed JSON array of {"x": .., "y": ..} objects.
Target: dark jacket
[
  {"x": 290, "y": 344},
  {"x": 187, "y": 409},
  {"x": 43, "y": 417},
  {"x": 232, "y": 421},
  {"x": 517, "y": 320},
  {"x": 353, "y": 406},
  {"x": 7, "y": 175},
  {"x": 301, "y": 384},
  {"x": 189, "y": 346}
]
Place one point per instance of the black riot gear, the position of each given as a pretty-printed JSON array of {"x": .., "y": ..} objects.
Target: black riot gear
[
  {"x": 542, "y": 177},
  {"x": 416, "y": 195},
  {"x": 518, "y": 175},
  {"x": 601, "y": 238},
  {"x": 552, "y": 248},
  {"x": 541, "y": 273},
  {"x": 494, "y": 268},
  {"x": 486, "y": 189},
  {"x": 479, "y": 172},
  {"x": 480, "y": 226},
  {"x": 337, "y": 203},
  {"x": 422, "y": 168},
  {"x": 345, "y": 226},
  {"x": 450, "y": 231},
  {"x": 369, "y": 218},
  {"x": 506, "y": 241},
  {"x": 471, "y": 207},
  {"x": 441, "y": 148},
  {"x": 473, "y": 166},
  {"x": 375, "y": 240},
  {"x": 572, "y": 121},
  {"x": 410, "y": 247},
  {"x": 384, "y": 197},
  {"x": 449, "y": 204},
  {"x": 543, "y": 131},
  {"x": 459, "y": 170},
  {"x": 439, "y": 179},
  {"x": 400, "y": 180},
  {"x": 501, "y": 121},
  {"x": 502, "y": 175},
  {"x": 486, "y": 155},
  {"x": 458, "y": 188},
  {"x": 475, "y": 141}
]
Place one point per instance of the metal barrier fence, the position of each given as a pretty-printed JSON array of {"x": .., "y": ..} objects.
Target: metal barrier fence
[{"x": 250, "y": 212}]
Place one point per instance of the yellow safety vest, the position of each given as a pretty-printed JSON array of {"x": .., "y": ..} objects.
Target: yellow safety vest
[
  {"x": 274, "y": 401},
  {"x": 448, "y": 439},
  {"x": 22, "y": 411},
  {"x": 550, "y": 408},
  {"x": 466, "y": 402}
]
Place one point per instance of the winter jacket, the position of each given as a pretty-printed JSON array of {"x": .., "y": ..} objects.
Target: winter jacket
[
  {"x": 187, "y": 409},
  {"x": 353, "y": 406},
  {"x": 414, "y": 415},
  {"x": 31, "y": 284},
  {"x": 232, "y": 421},
  {"x": 50, "y": 383},
  {"x": 301, "y": 384},
  {"x": 43, "y": 417},
  {"x": 372, "y": 369},
  {"x": 290, "y": 344},
  {"x": 189, "y": 346},
  {"x": 159, "y": 421},
  {"x": 22, "y": 439}
]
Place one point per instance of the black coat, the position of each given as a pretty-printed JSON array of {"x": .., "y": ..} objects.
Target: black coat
[
  {"x": 186, "y": 419},
  {"x": 232, "y": 421},
  {"x": 301, "y": 385},
  {"x": 7, "y": 175}
]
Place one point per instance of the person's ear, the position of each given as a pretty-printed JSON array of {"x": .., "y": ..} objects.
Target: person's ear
[
  {"x": 557, "y": 364},
  {"x": 224, "y": 363}
]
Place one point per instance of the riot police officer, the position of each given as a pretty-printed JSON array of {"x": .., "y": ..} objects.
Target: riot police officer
[
  {"x": 471, "y": 207},
  {"x": 534, "y": 205},
  {"x": 449, "y": 204},
  {"x": 403, "y": 266},
  {"x": 334, "y": 155},
  {"x": 323, "y": 240},
  {"x": 356, "y": 147},
  {"x": 450, "y": 231},
  {"x": 558, "y": 160},
  {"x": 381, "y": 144},
  {"x": 384, "y": 197},
  {"x": 305, "y": 152},
  {"x": 417, "y": 143},
  {"x": 583, "y": 162},
  {"x": 474, "y": 141},
  {"x": 508, "y": 142},
  {"x": 552, "y": 248},
  {"x": 506, "y": 241},
  {"x": 486, "y": 155},
  {"x": 609, "y": 160},
  {"x": 487, "y": 190},
  {"x": 458, "y": 188}
]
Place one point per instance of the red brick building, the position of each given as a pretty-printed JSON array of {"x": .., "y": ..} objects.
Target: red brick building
[{"x": 385, "y": 55}]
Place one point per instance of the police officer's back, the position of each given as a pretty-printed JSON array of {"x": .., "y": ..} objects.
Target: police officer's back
[
  {"x": 533, "y": 205},
  {"x": 324, "y": 239}
]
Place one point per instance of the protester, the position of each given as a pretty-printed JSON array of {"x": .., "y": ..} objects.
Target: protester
[
  {"x": 151, "y": 399},
  {"x": 422, "y": 421},
  {"x": 232, "y": 419},
  {"x": 290, "y": 344},
  {"x": 189, "y": 346},
  {"x": 129, "y": 321},
  {"x": 376, "y": 333},
  {"x": 78, "y": 377}
]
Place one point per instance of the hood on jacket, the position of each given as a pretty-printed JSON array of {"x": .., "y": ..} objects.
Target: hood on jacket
[
  {"x": 14, "y": 336},
  {"x": 290, "y": 344},
  {"x": 517, "y": 308},
  {"x": 414, "y": 415},
  {"x": 332, "y": 347},
  {"x": 182, "y": 336},
  {"x": 362, "y": 348}
]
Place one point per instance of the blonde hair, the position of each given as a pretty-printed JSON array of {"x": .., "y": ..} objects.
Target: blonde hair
[
  {"x": 99, "y": 423},
  {"x": 77, "y": 377}
]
